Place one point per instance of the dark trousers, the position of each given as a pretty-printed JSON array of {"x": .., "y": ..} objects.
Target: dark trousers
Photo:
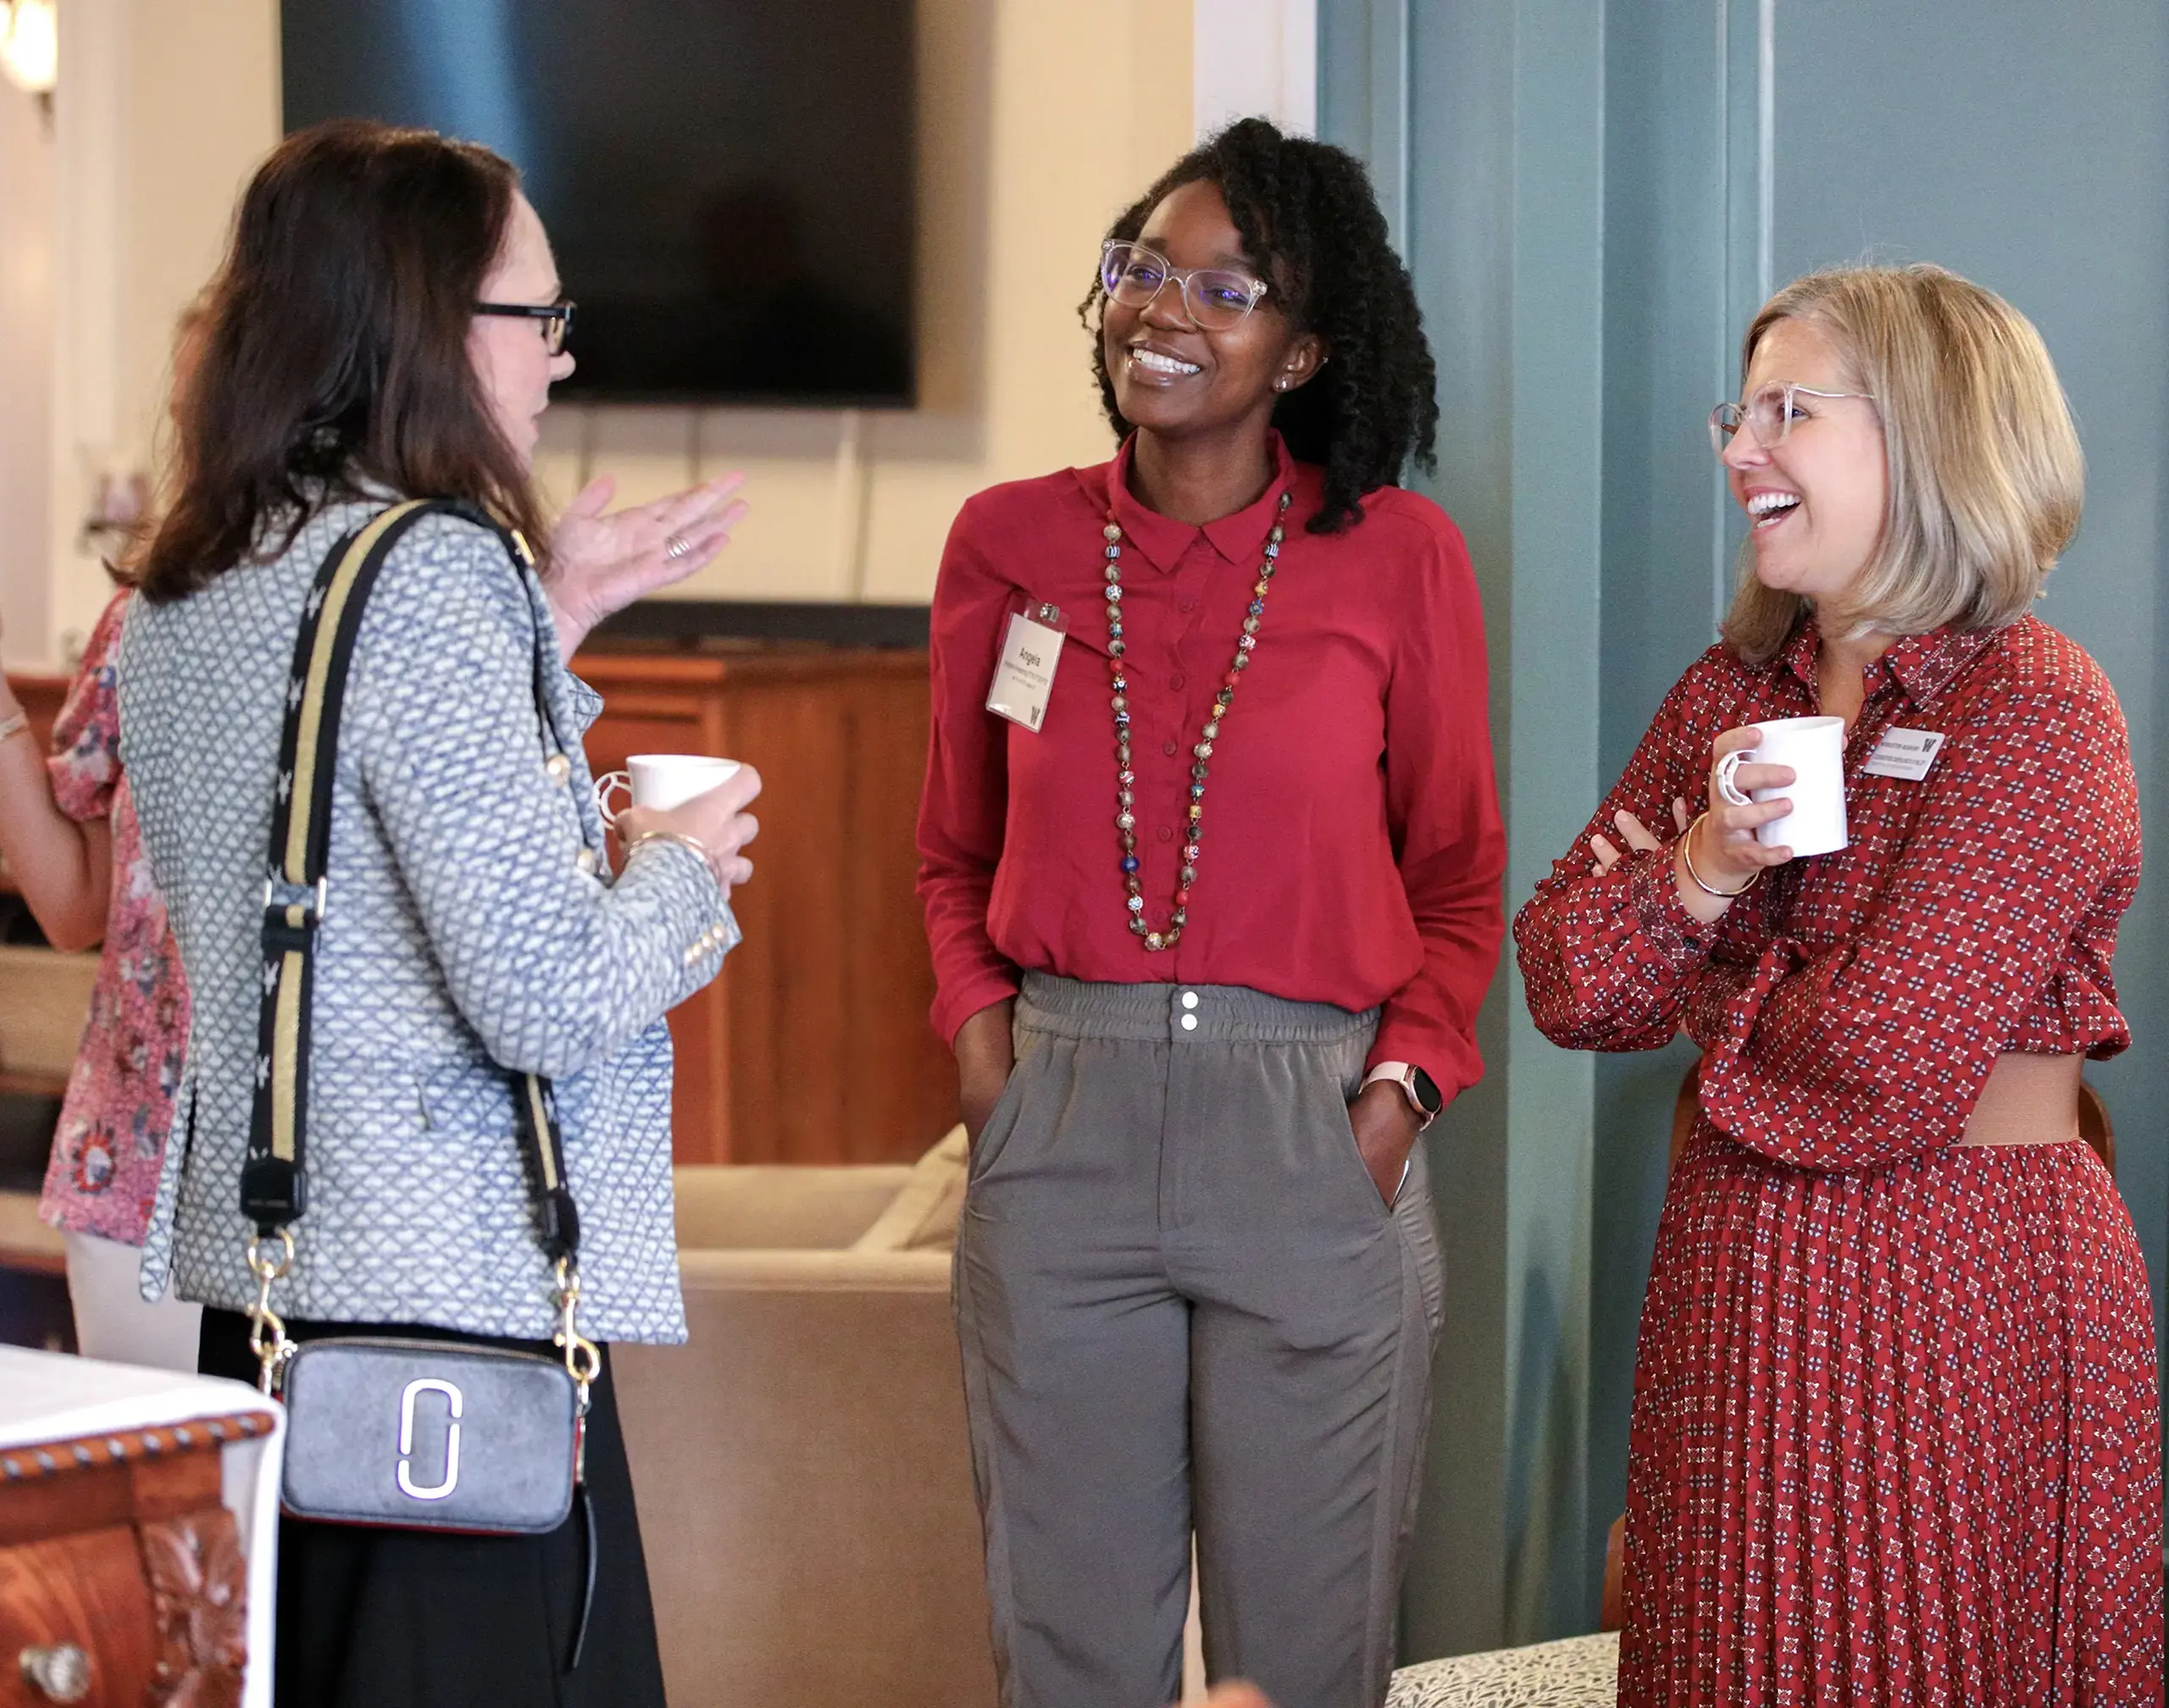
[
  {"x": 1185, "y": 1309},
  {"x": 371, "y": 1618}
]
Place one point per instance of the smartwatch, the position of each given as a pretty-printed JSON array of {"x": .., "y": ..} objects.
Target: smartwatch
[{"x": 1421, "y": 1089}]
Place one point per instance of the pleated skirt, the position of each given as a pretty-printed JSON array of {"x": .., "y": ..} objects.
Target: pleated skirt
[
  {"x": 1896, "y": 1438},
  {"x": 371, "y": 1618}
]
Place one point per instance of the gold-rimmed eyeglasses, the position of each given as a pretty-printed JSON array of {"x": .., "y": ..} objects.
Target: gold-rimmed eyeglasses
[
  {"x": 556, "y": 318},
  {"x": 1769, "y": 414},
  {"x": 1216, "y": 298}
]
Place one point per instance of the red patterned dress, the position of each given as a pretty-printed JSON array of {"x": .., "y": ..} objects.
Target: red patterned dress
[{"x": 1896, "y": 1437}]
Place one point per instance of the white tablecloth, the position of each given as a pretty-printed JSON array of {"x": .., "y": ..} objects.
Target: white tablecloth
[{"x": 47, "y": 1396}]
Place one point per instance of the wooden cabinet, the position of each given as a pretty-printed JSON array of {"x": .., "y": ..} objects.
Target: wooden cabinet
[
  {"x": 122, "y": 1578},
  {"x": 813, "y": 1046}
]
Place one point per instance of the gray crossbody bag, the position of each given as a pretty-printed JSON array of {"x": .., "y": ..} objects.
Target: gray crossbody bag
[{"x": 405, "y": 1434}]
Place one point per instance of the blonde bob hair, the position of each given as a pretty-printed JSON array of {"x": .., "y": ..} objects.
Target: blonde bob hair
[{"x": 1985, "y": 474}]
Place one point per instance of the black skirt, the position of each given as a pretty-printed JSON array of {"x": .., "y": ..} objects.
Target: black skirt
[{"x": 408, "y": 1619}]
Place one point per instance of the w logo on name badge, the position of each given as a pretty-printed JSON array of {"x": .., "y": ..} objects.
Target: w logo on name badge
[
  {"x": 456, "y": 1405},
  {"x": 1907, "y": 753}
]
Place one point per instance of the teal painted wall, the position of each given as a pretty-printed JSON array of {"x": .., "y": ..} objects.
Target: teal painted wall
[{"x": 1594, "y": 197}]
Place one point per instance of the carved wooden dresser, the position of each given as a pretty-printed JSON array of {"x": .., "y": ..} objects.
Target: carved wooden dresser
[{"x": 136, "y": 1510}]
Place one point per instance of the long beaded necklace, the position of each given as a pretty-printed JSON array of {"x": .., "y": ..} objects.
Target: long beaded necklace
[{"x": 1201, "y": 754}]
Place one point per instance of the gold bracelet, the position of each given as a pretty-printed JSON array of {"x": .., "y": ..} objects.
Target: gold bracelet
[
  {"x": 679, "y": 837},
  {"x": 14, "y": 726},
  {"x": 1687, "y": 859}
]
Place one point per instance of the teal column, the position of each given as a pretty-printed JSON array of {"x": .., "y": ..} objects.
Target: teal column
[
  {"x": 1554, "y": 641},
  {"x": 1502, "y": 172}
]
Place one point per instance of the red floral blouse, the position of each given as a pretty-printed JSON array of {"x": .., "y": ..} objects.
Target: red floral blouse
[
  {"x": 111, "y": 1140},
  {"x": 1850, "y": 1007}
]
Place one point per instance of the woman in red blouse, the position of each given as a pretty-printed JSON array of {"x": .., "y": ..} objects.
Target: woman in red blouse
[
  {"x": 1896, "y": 1432},
  {"x": 1209, "y": 941}
]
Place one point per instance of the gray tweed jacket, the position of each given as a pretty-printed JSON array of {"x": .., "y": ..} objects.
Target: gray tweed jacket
[{"x": 471, "y": 927}]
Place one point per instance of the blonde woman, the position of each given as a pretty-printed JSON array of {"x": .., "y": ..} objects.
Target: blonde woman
[{"x": 1896, "y": 1432}]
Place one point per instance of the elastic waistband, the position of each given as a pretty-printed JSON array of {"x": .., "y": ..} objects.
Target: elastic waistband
[{"x": 1181, "y": 1013}]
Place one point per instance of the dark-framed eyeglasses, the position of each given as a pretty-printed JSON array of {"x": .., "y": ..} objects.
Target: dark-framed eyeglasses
[
  {"x": 1216, "y": 298},
  {"x": 556, "y": 318},
  {"x": 1769, "y": 414}
]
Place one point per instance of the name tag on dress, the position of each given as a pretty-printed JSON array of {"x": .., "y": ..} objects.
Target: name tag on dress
[
  {"x": 1023, "y": 675},
  {"x": 1906, "y": 753}
]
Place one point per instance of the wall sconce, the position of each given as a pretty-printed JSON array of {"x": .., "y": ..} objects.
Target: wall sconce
[{"x": 29, "y": 46}]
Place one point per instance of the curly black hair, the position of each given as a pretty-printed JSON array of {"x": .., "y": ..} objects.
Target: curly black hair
[{"x": 1309, "y": 223}]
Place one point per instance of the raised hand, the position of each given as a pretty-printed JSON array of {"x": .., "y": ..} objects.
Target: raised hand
[{"x": 599, "y": 563}]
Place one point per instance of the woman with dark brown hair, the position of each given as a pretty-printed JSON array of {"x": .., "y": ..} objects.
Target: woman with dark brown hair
[{"x": 386, "y": 326}]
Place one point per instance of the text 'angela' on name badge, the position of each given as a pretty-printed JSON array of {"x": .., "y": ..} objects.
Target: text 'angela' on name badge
[
  {"x": 1906, "y": 753},
  {"x": 1023, "y": 675}
]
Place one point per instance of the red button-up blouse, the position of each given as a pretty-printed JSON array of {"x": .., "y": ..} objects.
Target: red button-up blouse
[
  {"x": 1852, "y": 1005},
  {"x": 1352, "y": 852}
]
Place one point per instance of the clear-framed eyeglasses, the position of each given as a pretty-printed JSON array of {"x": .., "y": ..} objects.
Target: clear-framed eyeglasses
[
  {"x": 556, "y": 318},
  {"x": 1216, "y": 298},
  {"x": 1769, "y": 414}
]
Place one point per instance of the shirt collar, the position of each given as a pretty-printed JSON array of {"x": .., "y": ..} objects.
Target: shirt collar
[
  {"x": 1921, "y": 665},
  {"x": 1801, "y": 651},
  {"x": 1160, "y": 540}
]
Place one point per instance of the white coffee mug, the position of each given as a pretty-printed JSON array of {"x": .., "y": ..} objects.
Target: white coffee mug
[
  {"x": 1815, "y": 748},
  {"x": 661, "y": 780}
]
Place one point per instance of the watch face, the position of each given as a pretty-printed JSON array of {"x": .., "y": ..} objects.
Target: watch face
[{"x": 1427, "y": 1091}]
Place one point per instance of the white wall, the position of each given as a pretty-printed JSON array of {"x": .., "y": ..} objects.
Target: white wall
[
  {"x": 26, "y": 269},
  {"x": 162, "y": 112},
  {"x": 1255, "y": 59}
]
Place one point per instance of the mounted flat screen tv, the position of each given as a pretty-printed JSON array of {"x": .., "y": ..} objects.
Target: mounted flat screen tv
[{"x": 729, "y": 184}]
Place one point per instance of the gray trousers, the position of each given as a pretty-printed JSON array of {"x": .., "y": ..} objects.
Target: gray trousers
[{"x": 1185, "y": 1308}]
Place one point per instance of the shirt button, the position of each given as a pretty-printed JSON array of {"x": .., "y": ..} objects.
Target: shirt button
[
  {"x": 1189, "y": 1022},
  {"x": 1186, "y": 605},
  {"x": 559, "y": 769},
  {"x": 584, "y": 860},
  {"x": 1166, "y": 835},
  {"x": 1170, "y": 750},
  {"x": 1189, "y": 999},
  {"x": 1177, "y": 679}
]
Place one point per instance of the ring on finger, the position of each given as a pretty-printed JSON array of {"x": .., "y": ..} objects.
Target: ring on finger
[{"x": 676, "y": 545}]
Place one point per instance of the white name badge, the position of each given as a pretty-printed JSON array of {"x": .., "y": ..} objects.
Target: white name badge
[
  {"x": 1023, "y": 676},
  {"x": 1906, "y": 753}
]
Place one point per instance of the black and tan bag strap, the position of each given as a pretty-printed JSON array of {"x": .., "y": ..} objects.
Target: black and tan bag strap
[{"x": 297, "y": 893}]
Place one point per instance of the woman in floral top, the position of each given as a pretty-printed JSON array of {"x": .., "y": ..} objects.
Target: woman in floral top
[{"x": 68, "y": 833}]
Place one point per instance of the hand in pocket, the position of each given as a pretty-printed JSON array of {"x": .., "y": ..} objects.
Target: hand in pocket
[
  {"x": 1385, "y": 1130},
  {"x": 986, "y": 1058}
]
